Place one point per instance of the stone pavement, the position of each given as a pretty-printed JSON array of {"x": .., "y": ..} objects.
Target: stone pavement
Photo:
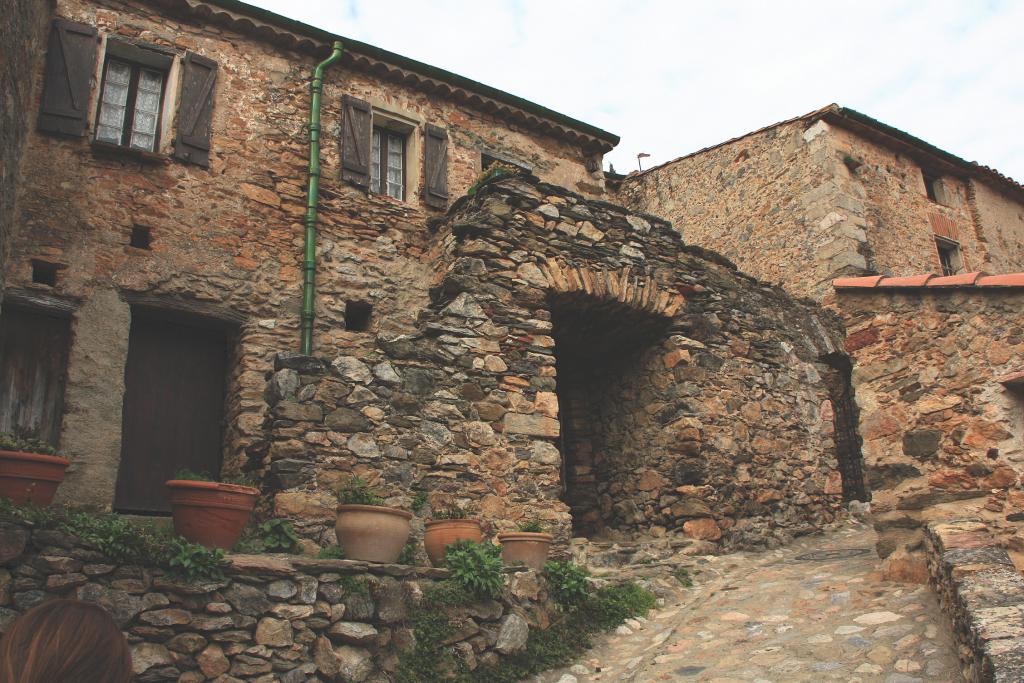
[{"x": 794, "y": 614}]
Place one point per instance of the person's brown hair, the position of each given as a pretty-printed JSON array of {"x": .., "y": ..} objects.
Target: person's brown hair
[{"x": 65, "y": 641}]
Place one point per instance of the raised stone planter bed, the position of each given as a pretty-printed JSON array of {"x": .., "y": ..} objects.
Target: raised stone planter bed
[
  {"x": 273, "y": 618},
  {"x": 983, "y": 593}
]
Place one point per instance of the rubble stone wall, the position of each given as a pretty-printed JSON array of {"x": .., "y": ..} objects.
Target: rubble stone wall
[
  {"x": 718, "y": 417},
  {"x": 1000, "y": 220},
  {"x": 23, "y": 35},
  {"x": 982, "y": 592},
  {"x": 802, "y": 203},
  {"x": 273, "y": 619},
  {"x": 942, "y": 436},
  {"x": 226, "y": 242}
]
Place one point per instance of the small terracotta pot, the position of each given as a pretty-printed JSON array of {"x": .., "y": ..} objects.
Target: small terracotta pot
[
  {"x": 372, "y": 533},
  {"x": 211, "y": 513},
  {"x": 30, "y": 477},
  {"x": 525, "y": 548},
  {"x": 441, "y": 533}
]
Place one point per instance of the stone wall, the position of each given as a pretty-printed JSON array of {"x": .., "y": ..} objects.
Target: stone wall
[
  {"x": 1000, "y": 220},
  {"x": 23, "y": 35},
  {"x": 774, "y": 202},
  {"x": 983, "y": 594},
  {"x": 713, "y": 414},
  {"x": 273, "y": 619},
  {"x": 803, "y": 202},
  {"x": 942, "y": 436},
  {"x": 226, "y": 242}
]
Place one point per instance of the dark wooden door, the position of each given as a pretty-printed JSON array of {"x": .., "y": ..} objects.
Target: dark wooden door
[
  {"x": 173, "y": 407},
  {"x": 33, "y": 365}
]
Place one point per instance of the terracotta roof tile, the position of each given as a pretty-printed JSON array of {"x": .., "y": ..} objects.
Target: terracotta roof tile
[
  {"x": 959, "y": 280},
  {"x": 907, "y": 281},
  {"x": 963, "y": 280},
  {"x": 1007, "y": 280},
  {"x": 851, "y": 282}
]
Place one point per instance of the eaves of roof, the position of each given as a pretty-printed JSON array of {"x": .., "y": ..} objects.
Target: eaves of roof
[
  {"x": 880, "y": 132},
  {"x": 294, "y": 34}
]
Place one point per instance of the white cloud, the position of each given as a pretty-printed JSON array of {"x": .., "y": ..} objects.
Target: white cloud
[{"x": 672, "y": 77}]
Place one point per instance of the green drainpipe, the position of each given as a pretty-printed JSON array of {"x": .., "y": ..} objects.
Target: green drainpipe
[{"x": 312, "y": 197}]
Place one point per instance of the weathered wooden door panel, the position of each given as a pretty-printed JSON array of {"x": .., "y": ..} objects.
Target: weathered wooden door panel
[
  {"x": 173, "y": 407},
  {"x": 33, "y": 369}
]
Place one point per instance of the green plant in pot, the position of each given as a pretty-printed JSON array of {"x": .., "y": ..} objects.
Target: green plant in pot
[
  {"x": 30, "y": 469},
  {"x": 366, "y": 529},
  {"x": 528, "y": 546},
  {"x": 450, "y": 524},
  {"x": 209, "y": 512}
]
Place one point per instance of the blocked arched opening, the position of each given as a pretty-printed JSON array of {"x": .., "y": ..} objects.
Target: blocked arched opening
[
  {"x": 845, "y": 421},
  {"x": 606, "y": 352}
]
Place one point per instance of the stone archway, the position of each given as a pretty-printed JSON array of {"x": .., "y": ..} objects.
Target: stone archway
[{"x": 607, "y": 328}]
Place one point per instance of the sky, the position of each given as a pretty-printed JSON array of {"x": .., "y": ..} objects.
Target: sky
[{"x": 672, "y": 77}]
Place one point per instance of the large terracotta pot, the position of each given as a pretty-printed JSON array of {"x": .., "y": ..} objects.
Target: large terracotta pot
[
  {"x": 441, "y": 533},
  {"x": 372, "y": 533},
  {"x": 525, "y": 548},
  {"x": 211, "y": 513},
  {"x": 30, "y": 477}
]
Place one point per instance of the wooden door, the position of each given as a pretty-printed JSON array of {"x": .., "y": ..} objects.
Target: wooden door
[
  {"x": 33, "y": 367},
  {"x": 173, "y": 407}
]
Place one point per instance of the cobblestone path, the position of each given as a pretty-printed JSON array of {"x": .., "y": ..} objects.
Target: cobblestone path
[{"x": 802, "y": 613}]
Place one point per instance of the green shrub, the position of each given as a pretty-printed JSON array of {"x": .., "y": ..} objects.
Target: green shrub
[
  {"x": 408, "y": 554},
  {"x": 186, "y": 474},
  {"x": 532, "y": 526},
  {"x": 418, "y": 501},
  {"x": 682, "y": 575},
  {"x": 25, "y": 441},
  {"x": 357, "y": 491},
  {"x": 567, "y": 583},
  {"x": 331, "y": 552},
  {"x": 271, "y": 536},
  {"x": 193, "y": 562},
  {"x": 476, "y": 567}
]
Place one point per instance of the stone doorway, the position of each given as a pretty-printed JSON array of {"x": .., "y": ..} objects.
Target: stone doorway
[
  {"x": 604, "y": 354},
  {"x": 845, "y": 420}
]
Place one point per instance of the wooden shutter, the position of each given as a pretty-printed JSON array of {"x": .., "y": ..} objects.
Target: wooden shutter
[
  {"x": 195, "y": 113},
  {"x": 70, "y": 67},
  {"x": 435, "y": 163},
  {"x": 355, "y": 141}
]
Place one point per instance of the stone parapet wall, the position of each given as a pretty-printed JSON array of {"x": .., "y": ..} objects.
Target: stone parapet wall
[
  {"x": 943, "y": 437},
  {"x": 983, "y": 594},
  {"x": 280, "y": 619},
  {"x": 704, "y": 387}
]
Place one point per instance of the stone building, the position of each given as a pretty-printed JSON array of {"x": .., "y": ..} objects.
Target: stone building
[
  {"x": 158, "y": 237},
  {"x": 530, "y": 350},
  {"x": 940, "y": 384},
  {"x": 836, "y": 193}
]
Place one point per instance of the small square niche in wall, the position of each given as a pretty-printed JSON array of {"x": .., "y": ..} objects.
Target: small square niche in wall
[
  {"x": 44, "y": 273},
  {"x": 141, "y": 237},
  {"x": 358, "y": 315}
]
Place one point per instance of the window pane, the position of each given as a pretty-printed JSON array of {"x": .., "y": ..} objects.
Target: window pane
[
  {"x": 144, "y": 123},
  {"x": 143, "y": 141},
  {"x": 375, "y": 163},
  {"x": 396, "y": 154},
  {"x": 151, "y": 81},
  {"x": 148, "y": 102},
  {"x": 110, "y": 126}
]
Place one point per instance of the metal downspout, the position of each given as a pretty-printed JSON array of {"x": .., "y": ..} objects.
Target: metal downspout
[{"x": 312, "y": 197}]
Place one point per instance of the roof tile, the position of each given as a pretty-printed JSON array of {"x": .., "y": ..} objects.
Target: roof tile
[
  {"x": 958, "y": 280},
  {"x": 851, "y": 282},
  {"x": 1006, "y": 280},
  {"x": 908, "y": 281},
  {"x": 930, "y": 280}
]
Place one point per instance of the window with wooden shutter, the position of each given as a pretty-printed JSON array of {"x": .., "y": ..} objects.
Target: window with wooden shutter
[
  {"x": 356, "y": 126},
  {"x": 70, "y": 65},
  {"x": 435, "y": 162},
  {"x": 195, "y": 112}
]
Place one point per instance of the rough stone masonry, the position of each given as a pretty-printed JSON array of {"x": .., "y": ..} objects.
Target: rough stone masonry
[{"x": 577, "y": 364}]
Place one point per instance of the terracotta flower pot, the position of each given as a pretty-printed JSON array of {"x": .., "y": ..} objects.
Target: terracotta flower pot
[
  {"x": 372, "y": 533},
  {"x": 30, "y": 477},
  {"x": 441, "y": 533},
  {"x": 211, "y": 513},
  {"x": 525, "y": 548}
]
